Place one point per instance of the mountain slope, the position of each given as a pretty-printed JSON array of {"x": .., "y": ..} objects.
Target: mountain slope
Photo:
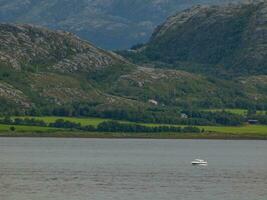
[
  {"x": 44, "y": 69},
  {"x": 25, "y": 46},
  {"x": 114, "y": 24},
  {"x": 219, "y": 40}
]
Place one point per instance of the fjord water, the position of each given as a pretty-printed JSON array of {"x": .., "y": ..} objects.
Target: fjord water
[{"x": 124, "y": 169}]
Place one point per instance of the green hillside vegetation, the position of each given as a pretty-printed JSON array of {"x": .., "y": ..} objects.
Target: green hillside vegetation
[
  {"x": 78, "y": 79},
  {"x": 242, "y": 112},
  {"x": 224, "y": 44},
  {"x": 225, "y": 41}
]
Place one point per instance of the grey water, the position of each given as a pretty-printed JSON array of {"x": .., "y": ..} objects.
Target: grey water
[{"x": 131, "y": 169}]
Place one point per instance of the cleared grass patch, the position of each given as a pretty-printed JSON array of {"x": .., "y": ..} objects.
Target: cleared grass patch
[
  {"x": 19, "y": 128},
  {"x": 83, "y": 121},
  {"x": 252, "y": 129},
  {"x": 237, "y": 130},
  {"x": 242, "y": 112}
]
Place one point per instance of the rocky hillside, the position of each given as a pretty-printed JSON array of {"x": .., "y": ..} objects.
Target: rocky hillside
[
  {"x": 25, "y": 47},
  {"x": 219, "y": 40},
  {"x": 41, "y": 66},
  {"x": 47, "y": 69},
  {"x": 107, "y": 23}
]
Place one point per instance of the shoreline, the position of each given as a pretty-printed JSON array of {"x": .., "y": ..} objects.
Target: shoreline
[{"x": 104, "y": 135}]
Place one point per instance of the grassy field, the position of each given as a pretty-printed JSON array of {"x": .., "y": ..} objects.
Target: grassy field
[
  {"x": 4, "y": 128},
  {"x": 247, "y": 131},
  {"x": 83, "y": 121},
  {"x": 234, "y": 111},
  {"x": 242, "y": 112}
]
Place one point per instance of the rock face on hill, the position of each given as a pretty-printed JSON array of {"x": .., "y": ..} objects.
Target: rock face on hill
[
  {"x": 112, "y": 24},
  {"x": 35, "y": 48},
  {"x": 44, "y": 69},
  {"x": 229, "y": 40},
  {"x": 40, "y": 66}
]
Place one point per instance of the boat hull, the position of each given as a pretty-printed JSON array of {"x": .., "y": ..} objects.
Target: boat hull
[{"x": 200, "y": 164}]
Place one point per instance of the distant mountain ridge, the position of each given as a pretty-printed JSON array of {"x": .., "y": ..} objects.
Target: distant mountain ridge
[
  {"x": 228, "y": 40},
  {"x": 111, "y": 24}
]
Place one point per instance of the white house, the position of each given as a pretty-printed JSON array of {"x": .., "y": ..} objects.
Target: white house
[{"x": 152, "y": 101}]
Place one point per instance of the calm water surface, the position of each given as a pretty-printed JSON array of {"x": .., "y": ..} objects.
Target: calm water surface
[{"x": 100, "y": 169}]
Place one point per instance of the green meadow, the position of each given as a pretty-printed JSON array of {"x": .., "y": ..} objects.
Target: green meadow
[
  {"x": 20, "y": 128},
  {"x": 83, "y": 121},
  {"x": 246, "y": 131},
  {"x": 242, "y": 112}
]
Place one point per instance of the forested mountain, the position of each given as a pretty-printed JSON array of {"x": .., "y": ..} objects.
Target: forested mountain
[
  {"x": 112, "y": 24},
  {"x": 226, "y": 41}
]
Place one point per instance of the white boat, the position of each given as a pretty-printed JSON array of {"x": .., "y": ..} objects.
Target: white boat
[{"x": 199, "y": 162}]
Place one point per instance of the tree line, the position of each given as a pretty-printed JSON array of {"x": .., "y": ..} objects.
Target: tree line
[
  {"x": 145, "y": 115},
  {"x": 106, "y": 126},
  {"x": 162, "y": 115}
]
